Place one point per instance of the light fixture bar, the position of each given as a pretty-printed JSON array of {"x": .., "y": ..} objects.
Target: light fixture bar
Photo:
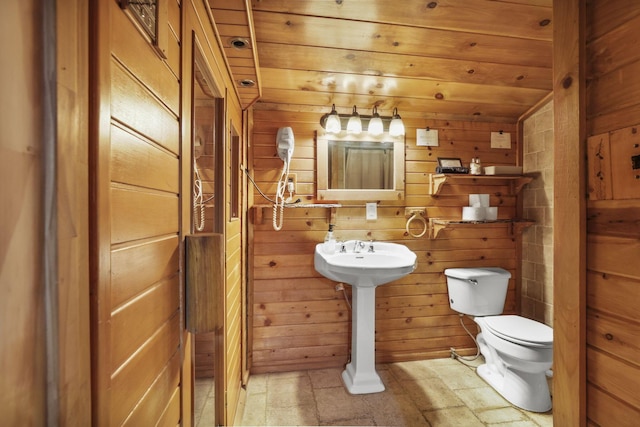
[{"x": 333, "y": 122}]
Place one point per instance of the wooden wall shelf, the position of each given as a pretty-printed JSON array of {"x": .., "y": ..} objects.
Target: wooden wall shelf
[
  {"x": 331, "y": 213},
  {"x": 437, "y": 181},
  {"x": 437, "y": 226}
]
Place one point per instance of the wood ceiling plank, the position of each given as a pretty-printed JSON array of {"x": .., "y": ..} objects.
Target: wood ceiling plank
[
  {"x": 373, "y": 37},
  {"x": 232, "y": 30},
  {"x": 371, "y": 63},
  {"x": 241, "y": 62},
  {"x": 227, "y": 4},
  {"x": 481, "y": 111},
  {"x": 230, "y": 17},
  {"x": 474, "y": 16},
  {"x": 376, "y": 86}
]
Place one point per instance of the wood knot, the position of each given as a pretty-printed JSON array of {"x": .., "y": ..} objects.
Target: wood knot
[
  {"x": 567, "y": 82},
  {"x": 267, "y": 322},
  {"x": 272, "y": 263},
  {"x": 439, "y": 96},
  {"x": 545, "y": 22},
  {"x": 432, "y": 5},
  {"x": 608, "y": 336}
]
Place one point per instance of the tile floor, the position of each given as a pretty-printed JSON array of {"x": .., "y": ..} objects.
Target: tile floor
[
  {"x": 204, "y": 403},
  {"x": 435, "y": 393}
]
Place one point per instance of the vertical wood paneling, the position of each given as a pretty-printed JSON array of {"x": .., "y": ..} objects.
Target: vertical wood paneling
[
  {"x": 569, "y": 266},
  {"x": 73, "y": 201},
  {"x": 300, "y": 320},
  {"x": 613, "y": 279}
]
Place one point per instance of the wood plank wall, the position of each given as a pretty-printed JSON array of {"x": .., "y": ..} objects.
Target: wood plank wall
[
  {"x": 23, "y": 397},
  {"x": 73, "y": 205},
  {"x": 299, "y": 319},
  {"x": 613, "y": 209},
  {"x": 138, "y": 316}
]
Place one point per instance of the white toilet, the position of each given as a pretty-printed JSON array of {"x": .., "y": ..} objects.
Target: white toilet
[{"x": 518, "y": 351}]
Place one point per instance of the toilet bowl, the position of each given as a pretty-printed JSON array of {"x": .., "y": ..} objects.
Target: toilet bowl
[{"x": 517, "y": 351}]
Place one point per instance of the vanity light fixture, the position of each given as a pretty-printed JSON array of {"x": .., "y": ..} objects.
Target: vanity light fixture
[
  {"x": 334, "y": 123},
  {"x": 354, "y": 126}
]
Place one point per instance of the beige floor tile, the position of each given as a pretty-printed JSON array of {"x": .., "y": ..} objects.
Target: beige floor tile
[
  {"x": 391, "y": 382},
  {"x": 257, "y": 384},
  {"x": 326, "y": 378},
  {"x": 431, "y": 394},
  {"x": 459, "y": 377},
  {"x": 544, "y": 419},
  {"x": 336, "y": 405},
  {"x": 304, "y": 415},
  {"x": 392, "y": 409},
  {"x": 354, "y": 422},
  {"x": 412, "y": 370},
  {"x": 289, "y": 391},
  {"x": 482, "y": 398},
  {"x": 452, "y": 417},
  {"x": 500, "y": 415},
  {"x": 255, "y": 410}
]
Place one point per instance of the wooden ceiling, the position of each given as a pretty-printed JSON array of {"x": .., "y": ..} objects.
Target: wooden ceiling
[{"x": 481, "y": 60}]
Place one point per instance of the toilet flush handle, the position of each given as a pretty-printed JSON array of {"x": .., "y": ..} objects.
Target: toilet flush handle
[{"x": 473, "y": 281}]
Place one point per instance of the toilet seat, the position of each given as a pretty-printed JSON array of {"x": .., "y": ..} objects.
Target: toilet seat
[{"x": 520, "y": 330}]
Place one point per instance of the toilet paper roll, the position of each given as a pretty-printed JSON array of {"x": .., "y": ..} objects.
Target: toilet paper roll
[
  {"x": 479, "y": 200},
  {"x": 471, "y": 213},
  {"x": 491, "y": 213}
]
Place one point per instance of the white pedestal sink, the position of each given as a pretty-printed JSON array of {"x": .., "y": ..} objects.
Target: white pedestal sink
[{"x": 364, "y": 266}]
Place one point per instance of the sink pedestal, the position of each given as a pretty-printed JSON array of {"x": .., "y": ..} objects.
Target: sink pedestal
[{"x": 360, "y": 376}]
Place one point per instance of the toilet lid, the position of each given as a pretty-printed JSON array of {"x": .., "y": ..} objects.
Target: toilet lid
[{"x": 520, "y": 330}]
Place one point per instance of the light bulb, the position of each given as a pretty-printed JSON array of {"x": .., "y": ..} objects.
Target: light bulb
[
  {"x": 375, "y": 124},
  {"x": 396, "y": 127},
  {"x": 332, "y": 121},
  {"x": 354, "y": 125}
]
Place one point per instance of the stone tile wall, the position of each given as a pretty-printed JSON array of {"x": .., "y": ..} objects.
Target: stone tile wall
[{"x": 537, "y": 251}]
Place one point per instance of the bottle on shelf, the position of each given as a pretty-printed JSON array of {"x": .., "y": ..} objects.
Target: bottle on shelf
[
  {"x": 475, "y": 168},
  {"x": 329, "y": 245}
]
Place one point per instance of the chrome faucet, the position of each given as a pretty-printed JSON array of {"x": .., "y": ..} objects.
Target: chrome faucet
[
  {"x": 358, "y": 246},
  {"x": 371, "y": 246}
]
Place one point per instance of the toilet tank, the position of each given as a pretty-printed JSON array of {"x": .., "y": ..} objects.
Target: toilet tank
[{"x": 477, "y": 291}]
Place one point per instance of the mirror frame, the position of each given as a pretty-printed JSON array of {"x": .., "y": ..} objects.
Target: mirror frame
[{"x": 322, "y": 168}]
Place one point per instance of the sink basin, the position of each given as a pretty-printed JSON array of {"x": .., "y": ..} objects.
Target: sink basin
[
  {"x": 364, "y": 270},
  {"x": 387, "y": 262}
]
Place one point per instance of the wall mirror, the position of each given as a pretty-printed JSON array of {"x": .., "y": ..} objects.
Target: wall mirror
[{"x": 359, "y": 167}]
